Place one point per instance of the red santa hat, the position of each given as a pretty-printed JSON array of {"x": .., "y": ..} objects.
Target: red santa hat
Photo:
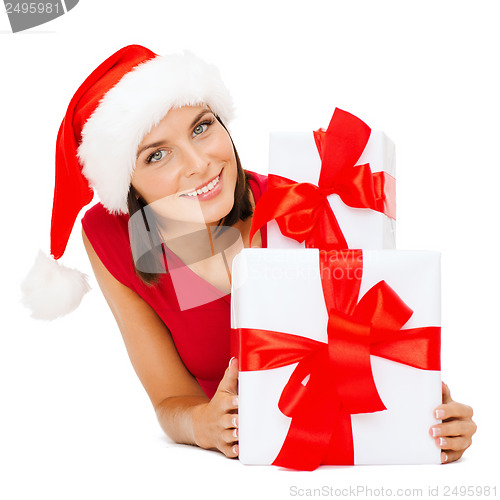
[{"x": 106, "y": 120}]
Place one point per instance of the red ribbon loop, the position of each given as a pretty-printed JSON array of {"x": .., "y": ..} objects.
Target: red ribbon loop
[
  {"x": 335, "y": 378},
  {"x": 302, "y": 210}
]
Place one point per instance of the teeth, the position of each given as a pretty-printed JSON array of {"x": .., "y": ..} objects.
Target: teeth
[{"x": 205, "y": 189}]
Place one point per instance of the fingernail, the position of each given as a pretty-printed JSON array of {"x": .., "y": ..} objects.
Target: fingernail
[
  {"x": 439, "y": 414},
  {"x": 235, "y": 433},
  {"x": 234, "y": 357},
  {"x": 235, "y": 401},
  {"x": 444, "y": 458},
  {"x": 436, "y": 431},
  {"x": 235, "y": 449},
  {"x": 442, "y": 441},
  {"x": 235, "y": 421}
]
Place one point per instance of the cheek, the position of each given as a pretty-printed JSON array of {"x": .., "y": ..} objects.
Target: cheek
[
  {"x": 154, "y": 185},
  {"x": 222, "y": 147},
  {"x": 225, "y": 154}
]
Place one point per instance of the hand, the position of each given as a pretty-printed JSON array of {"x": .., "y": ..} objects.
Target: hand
[
  {"x": 217, "y": 423},
  {"x": 454, "y": 435}
]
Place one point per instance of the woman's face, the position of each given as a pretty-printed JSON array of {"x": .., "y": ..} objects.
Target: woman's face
[{"x": 186, "y": 167}]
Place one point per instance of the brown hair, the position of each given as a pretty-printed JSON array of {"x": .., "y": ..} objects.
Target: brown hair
[{"x": 150, "y": 258}]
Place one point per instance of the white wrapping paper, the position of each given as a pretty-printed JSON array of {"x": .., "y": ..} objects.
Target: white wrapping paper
[
  {"x": 281, "y": 290},
  {"x": 294, "y": 155}
]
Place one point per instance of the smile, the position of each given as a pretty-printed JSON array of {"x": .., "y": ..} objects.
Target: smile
[{"x": 204, "y": 189}]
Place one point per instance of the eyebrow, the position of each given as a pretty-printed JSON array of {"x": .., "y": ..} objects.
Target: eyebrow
[
  {"x": 160, "y": 143},
  {"x": 203, "y": 112}
]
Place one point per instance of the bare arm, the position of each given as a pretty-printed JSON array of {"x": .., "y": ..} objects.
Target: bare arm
[{"x": 183, "y": 410}]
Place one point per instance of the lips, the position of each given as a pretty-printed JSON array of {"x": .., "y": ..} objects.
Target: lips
[{"x": 205, "y": 188}]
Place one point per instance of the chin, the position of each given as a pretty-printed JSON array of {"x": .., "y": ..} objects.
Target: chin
[{"x": 216, "y": 213}]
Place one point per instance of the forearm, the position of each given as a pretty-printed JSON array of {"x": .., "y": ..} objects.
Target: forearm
[
  {"x": 207, "y": 423},
  {"x": 181, "y": 418}
]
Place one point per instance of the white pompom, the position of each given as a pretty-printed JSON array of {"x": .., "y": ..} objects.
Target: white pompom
[{"x": 51, "y": 290}]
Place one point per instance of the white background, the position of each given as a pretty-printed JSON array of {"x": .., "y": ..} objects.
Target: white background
[{"x": 75, "y": 421}]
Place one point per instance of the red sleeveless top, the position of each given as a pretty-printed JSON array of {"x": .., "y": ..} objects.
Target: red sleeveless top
[{"x": 201, "y": 328}]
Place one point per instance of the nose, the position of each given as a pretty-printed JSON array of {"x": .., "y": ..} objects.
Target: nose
[{"x": 195, "y": 160}]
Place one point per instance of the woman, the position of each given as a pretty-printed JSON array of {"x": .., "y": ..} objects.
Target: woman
[{"x": 148, "y": 134}]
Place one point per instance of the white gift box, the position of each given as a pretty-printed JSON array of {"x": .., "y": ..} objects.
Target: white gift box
[
  {"x": 281, "y": 290},
  {"x": 294, "y": 155}
]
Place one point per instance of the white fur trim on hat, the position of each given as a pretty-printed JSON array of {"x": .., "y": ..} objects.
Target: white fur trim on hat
[
  {"x": 137, "y": 103},
  {"x": 51, "y": 290}
]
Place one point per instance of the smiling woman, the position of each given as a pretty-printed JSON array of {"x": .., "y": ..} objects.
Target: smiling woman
[
  {"x": 189, "y": 175},
  {"x": 185, "y": 161},
  {"x": 148, "y": 134}
]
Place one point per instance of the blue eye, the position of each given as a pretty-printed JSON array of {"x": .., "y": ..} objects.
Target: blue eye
[
  {"x": 157, "y": 156},
  {"x": 203, "y": 126},
  {"x": 199, "y": 129}
]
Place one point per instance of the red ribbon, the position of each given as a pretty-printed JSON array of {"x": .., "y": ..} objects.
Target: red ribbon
[
  {"x": 302, "y": 210},
  {"x": 340, "y": 381}
]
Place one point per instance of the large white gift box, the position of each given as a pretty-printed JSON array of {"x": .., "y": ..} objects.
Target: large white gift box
[
  {"x": 295, "y": 156},
  {"x": 277, "y": 290}
]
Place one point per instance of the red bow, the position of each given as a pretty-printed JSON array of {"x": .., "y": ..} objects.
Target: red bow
[
  {"x": 302, "y": 210},
  {"x": 338, "y": 373}
]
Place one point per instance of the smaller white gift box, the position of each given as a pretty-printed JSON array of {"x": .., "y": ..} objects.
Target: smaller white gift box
[
  {"x": 282, "y": 291},
  {"x": 295, "y": 156}
]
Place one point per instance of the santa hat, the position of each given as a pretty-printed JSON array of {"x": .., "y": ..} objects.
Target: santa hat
[{"x": 106, "y": 120}]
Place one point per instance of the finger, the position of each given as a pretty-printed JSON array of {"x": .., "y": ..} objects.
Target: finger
[
  {"x": 453, "y": 410},
  {"x": 450, "y": 456},
  {"x": 460, "y": 443},
  {"x": 446, "y": 393},
  {"x": 231, "y": 451},
  {"x": 230, "y": 436},
  {"x": 229, "y": 382},
  {"x": 229, "y": 402},
  {"x": 453, "y": 428},
  {"x": 230, "y": 421}
]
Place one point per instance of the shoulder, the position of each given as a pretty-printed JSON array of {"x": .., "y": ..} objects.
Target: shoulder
[
  {"x": 108, "y": 235},
  {"x": 102, "y": 227},
  {"x": 98, "y": 218}
]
